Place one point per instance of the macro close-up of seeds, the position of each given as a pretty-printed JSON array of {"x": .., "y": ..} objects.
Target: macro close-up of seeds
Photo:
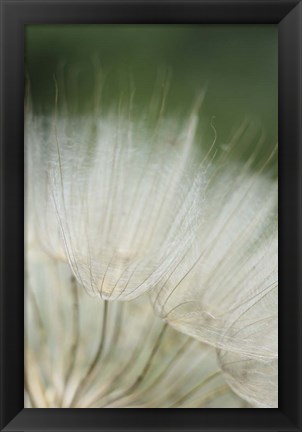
[{"x": 151, "y": 224}]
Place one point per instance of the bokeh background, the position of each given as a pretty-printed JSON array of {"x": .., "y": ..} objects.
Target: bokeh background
[{"x": 237, "y": 64}]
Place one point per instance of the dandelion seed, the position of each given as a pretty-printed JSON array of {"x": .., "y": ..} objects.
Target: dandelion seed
[
  {"x": 122, "y": 204},
  {"x": 227, "y": 281},
  {"x": 236, "y": 253}
]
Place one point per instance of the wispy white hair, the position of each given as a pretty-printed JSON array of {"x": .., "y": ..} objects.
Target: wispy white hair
[
  {"x": 220, "y": 299},
  {"x": 250, "y": 358},
  {"x": 236, "y": 253},
  {"x": 123, "y": 203}
]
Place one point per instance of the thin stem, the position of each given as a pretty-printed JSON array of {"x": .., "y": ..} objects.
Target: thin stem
[
  {"x": 161, "y": 376},
  {"x": 195, "y": 389},
  {"x": 148, "y": 364},
  {"x": 75, "y": 336},
  {"x": 125, "y": 370},
  {"x": 85, "y": 379}
]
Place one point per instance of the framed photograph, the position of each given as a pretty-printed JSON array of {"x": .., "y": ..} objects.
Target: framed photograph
[{"x": 151, "y": 222}]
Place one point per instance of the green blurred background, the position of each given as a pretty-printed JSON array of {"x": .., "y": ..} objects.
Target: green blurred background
[{"x": 236, "y": 63}]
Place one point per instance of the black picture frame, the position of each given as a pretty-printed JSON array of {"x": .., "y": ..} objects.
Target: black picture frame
[{"x": 14, "y": 16}]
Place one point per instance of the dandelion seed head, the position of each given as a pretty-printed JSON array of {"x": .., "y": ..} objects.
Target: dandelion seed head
[{"x": 121, "y": 210}]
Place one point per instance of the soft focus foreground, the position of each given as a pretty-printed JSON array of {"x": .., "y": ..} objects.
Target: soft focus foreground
[{"x": 77, "y": 357}]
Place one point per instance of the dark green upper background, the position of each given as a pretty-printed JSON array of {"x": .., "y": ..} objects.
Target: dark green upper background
[{"x": 237, "y": 64}]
